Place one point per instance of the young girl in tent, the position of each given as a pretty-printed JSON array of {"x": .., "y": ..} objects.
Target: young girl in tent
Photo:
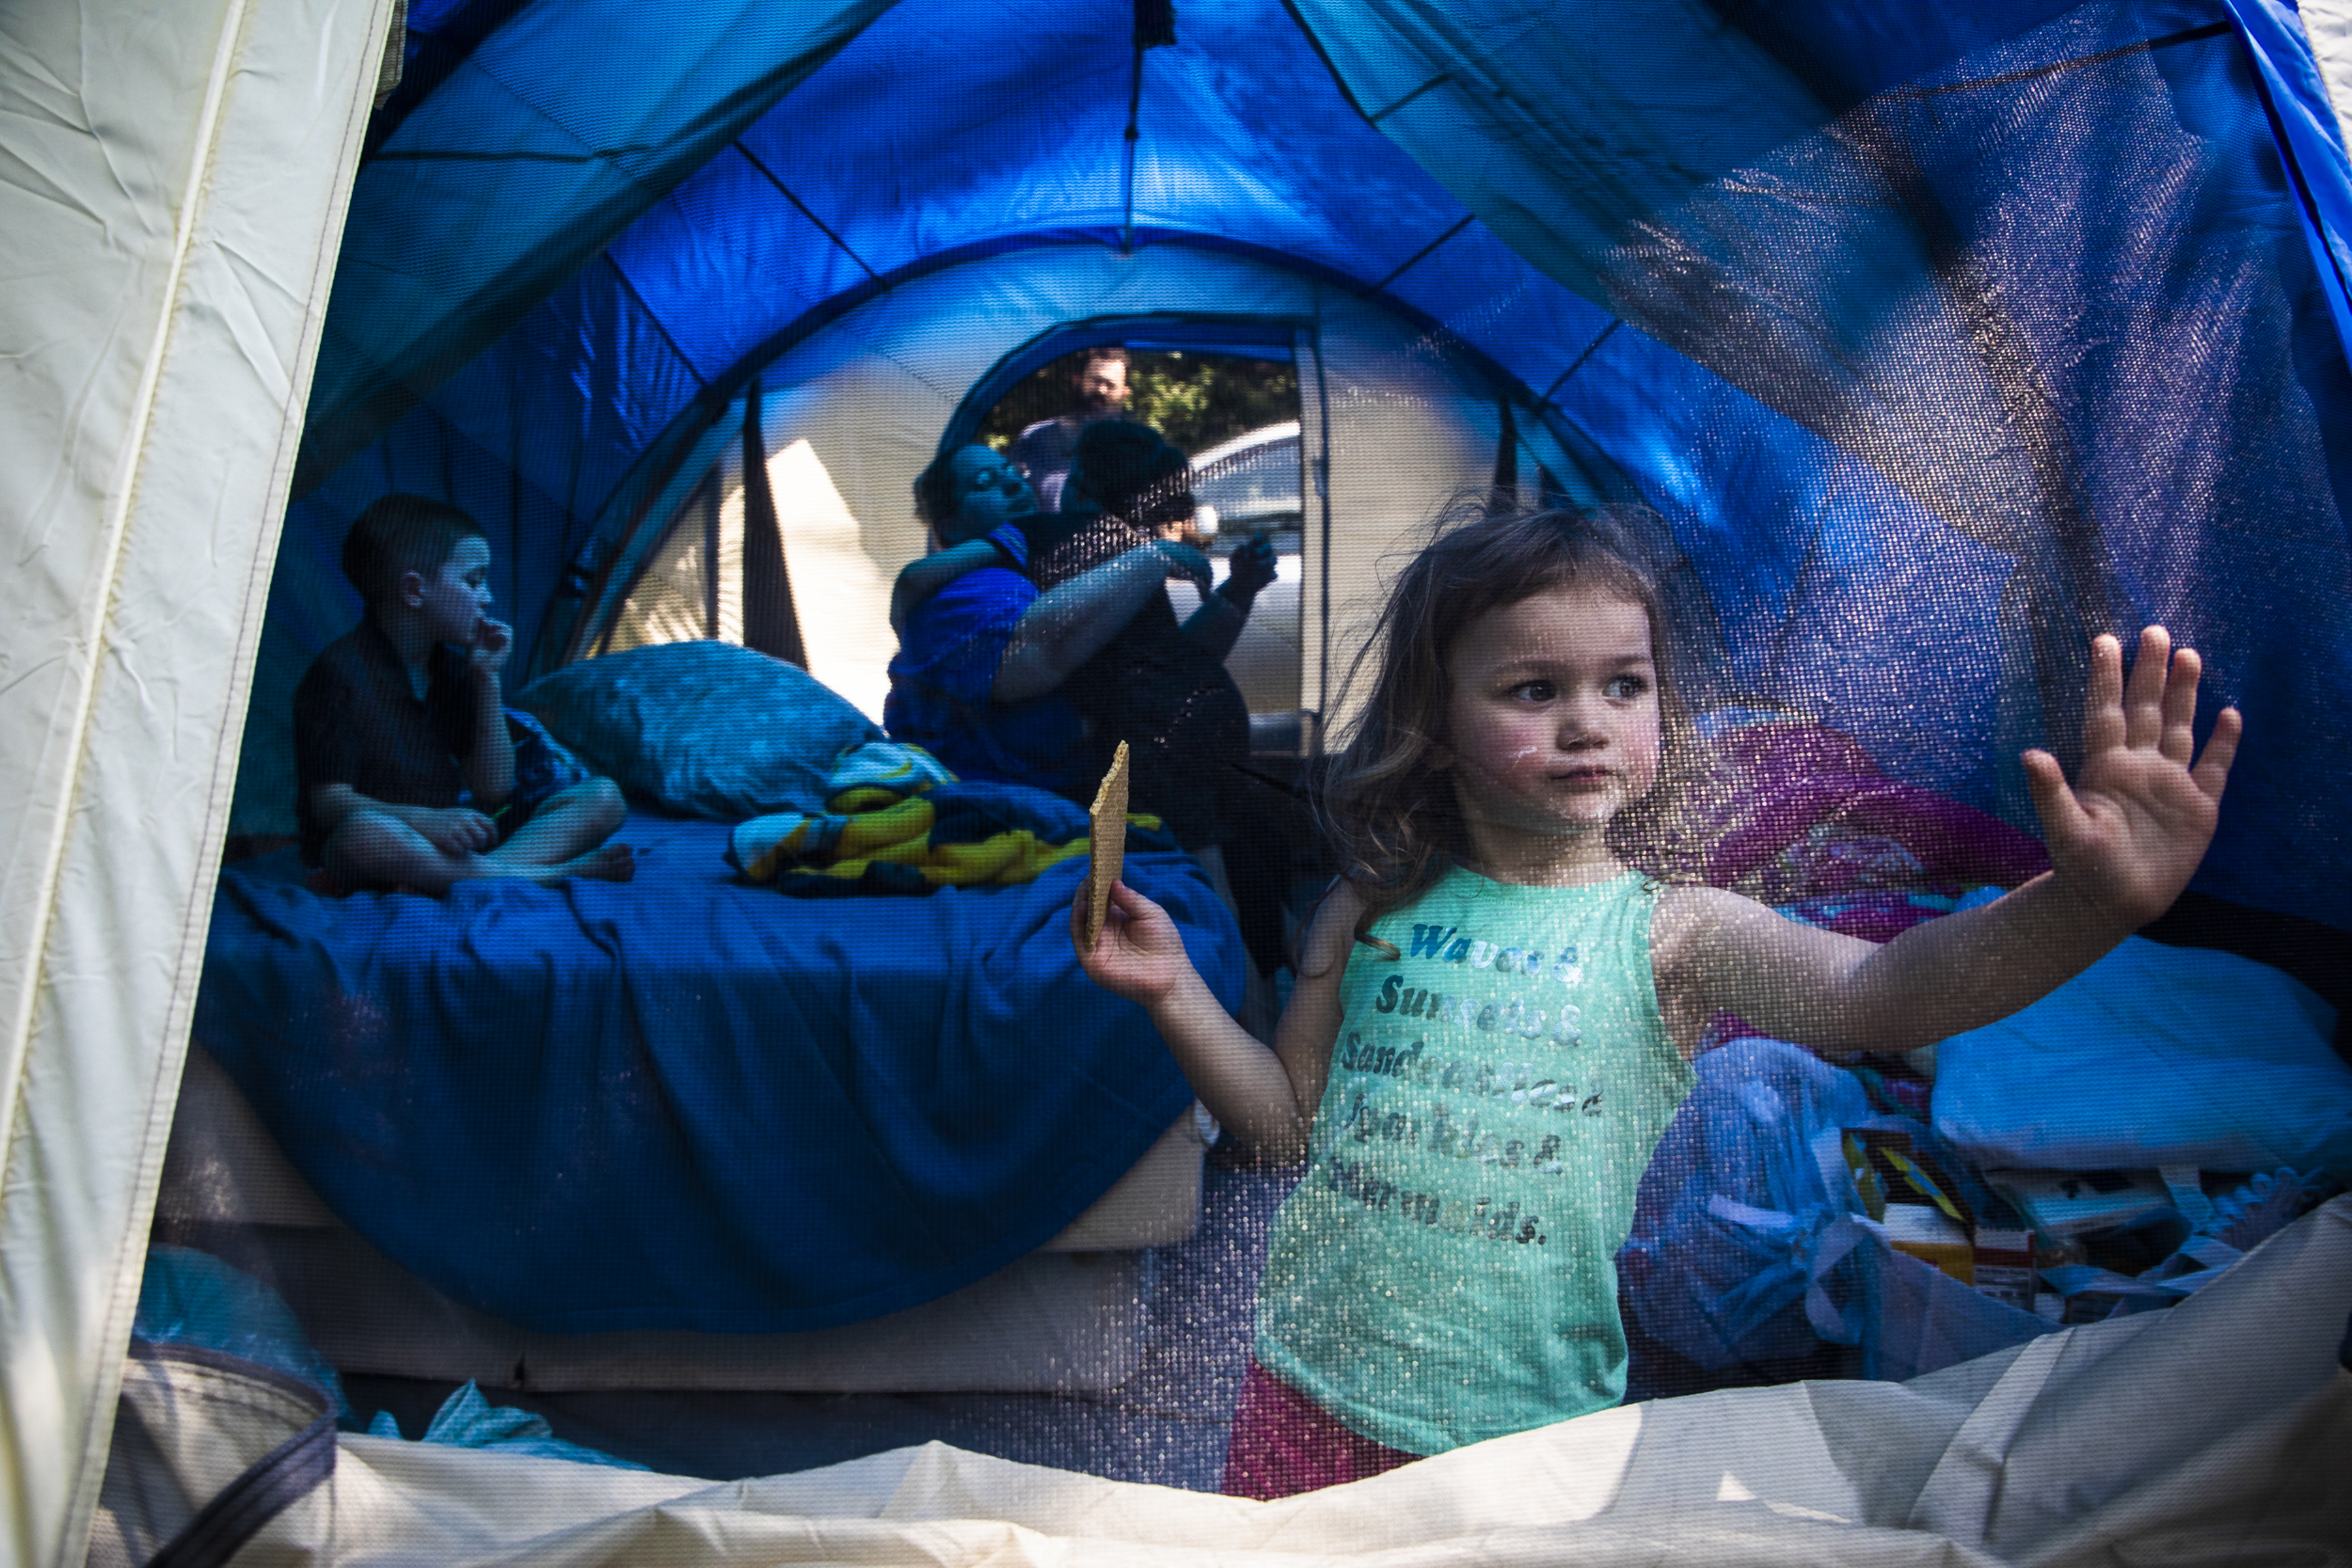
[{"x": 1497, "y": 1001}]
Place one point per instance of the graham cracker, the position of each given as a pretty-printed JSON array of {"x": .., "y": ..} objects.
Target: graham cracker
[{"x": 1106, "y": 844}]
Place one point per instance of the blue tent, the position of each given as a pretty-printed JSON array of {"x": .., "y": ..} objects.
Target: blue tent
[{"x": 1941, "y": 335}]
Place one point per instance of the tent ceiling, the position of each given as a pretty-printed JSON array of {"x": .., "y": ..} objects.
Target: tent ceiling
[
  {"x": 534, "y": 147},
  {"x": 1240, "y": 129}
]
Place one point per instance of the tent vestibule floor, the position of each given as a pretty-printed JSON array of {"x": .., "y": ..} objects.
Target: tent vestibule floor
[{"x": 1165, "y": 1425}]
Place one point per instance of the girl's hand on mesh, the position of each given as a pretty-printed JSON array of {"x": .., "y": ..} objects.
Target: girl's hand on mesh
[
  {"x": 2129, "y": 833},
  {"x": 1140, "y": 954}
]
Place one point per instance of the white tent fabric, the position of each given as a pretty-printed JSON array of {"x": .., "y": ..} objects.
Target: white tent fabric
[
  {"x": 2082, "y": 1448},
  {"x": 172, "y": 189}
]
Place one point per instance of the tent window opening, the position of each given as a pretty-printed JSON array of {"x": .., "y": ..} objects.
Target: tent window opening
[{"x": 1235, "y": 415}]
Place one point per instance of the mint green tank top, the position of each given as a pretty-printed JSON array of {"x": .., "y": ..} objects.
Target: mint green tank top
[{"x": 1445, "y": 1272}]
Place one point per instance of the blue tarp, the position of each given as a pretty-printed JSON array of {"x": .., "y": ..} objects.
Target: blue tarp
[
  {"x": 1941, "y": 333},
  {"x": 688, "y": 1104},
  {"x": 522, "y": 153},
  {"x": 2036, "y": 277}
]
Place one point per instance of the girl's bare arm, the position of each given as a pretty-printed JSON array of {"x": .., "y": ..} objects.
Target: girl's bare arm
[
  {"x": 1716, "y": 952},
  {"x": 2123, "y": 842},
  {"x": 1267, "y": 1097}
]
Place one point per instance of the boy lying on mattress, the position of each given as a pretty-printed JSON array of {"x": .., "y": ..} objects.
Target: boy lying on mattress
[{"x": 404, "y": 762}]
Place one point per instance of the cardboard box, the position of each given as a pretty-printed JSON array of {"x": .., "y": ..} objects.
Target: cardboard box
[
  {"x": 2004, "y": 1265},
  {"x": 1930, "y": 1235}
]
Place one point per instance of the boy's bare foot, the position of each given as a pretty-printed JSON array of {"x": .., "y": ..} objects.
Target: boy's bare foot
[
  {"x": 555, "y": 840},
  {"x": 606, "y": 863}
]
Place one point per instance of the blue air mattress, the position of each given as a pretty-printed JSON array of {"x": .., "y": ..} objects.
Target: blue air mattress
[{"x": 688, "y": 1103}]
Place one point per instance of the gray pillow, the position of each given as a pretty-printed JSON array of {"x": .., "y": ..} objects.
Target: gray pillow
[{"x": 706, "y": 728}]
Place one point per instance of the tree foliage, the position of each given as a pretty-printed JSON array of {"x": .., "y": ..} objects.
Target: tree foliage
[{"x": 1195, "y": 400}]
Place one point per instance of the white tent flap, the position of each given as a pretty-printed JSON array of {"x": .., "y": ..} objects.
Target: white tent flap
[
  {"x": 173, "y": 190},
  {"x": 2082, "y": 1448}
]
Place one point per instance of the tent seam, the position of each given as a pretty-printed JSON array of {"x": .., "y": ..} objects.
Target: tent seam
[
  {"x": 1380, "y": 115},
  {"x": 629, "y": 286},
  {"x": 1418, "y": 257},
  {"x": 742, "y": 147},
  {"x": 1576, "y": 363}
]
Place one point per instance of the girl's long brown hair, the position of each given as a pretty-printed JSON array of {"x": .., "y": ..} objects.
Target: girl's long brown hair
[{"x": 1388, "y": 808}]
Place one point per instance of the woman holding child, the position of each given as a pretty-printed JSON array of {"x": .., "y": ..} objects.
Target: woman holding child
[{"x": 1030, "y": 642}]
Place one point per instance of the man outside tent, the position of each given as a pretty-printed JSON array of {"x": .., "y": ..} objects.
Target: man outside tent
[{"x": 1042, "y": 451}]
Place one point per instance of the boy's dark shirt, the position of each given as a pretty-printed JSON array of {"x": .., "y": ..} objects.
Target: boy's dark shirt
[{"x": 358, "y": 722}]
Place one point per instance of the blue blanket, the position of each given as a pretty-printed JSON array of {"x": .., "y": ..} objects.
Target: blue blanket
[{"x": 686, "y": 1103}]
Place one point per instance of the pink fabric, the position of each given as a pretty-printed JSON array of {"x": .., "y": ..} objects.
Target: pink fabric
[
  {"x": 1283, "y": 1443},
  {"x": 1787, "y": 778}
]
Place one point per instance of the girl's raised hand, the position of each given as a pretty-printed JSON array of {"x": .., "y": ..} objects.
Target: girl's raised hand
[
  {"x": 2130, "y": 833},
  {"x": 1140, "y": 954}
]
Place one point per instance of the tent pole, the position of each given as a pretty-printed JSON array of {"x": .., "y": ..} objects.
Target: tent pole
[
  {"x": 1154, "y": 29},
  {"x": 770, "y": 623},
  {"x": 1127, "y": 151}
]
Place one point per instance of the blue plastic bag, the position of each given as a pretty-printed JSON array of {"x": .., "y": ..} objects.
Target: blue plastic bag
[
  {"x": 190, "y": 1297},
  {"x": 1743, "y": 1246},
  {"x": 467, "y": 1420}
]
